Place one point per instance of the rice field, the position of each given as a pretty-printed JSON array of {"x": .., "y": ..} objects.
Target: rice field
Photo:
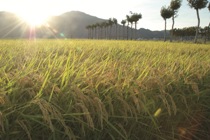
[{"x": 104, "y": 90}]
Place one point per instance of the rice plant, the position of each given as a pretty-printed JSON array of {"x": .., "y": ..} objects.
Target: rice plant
[{"x": 82, "y": 89}]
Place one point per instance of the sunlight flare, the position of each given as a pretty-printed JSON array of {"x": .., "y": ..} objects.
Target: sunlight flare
[{"x": 34, "y": 13}]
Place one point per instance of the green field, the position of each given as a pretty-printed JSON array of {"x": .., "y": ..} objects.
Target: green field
[{"x": 104, "y": 90}]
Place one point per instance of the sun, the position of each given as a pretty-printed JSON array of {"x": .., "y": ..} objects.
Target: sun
[
  {"x": 33, "y": 18},
  {"x": 34, "y": 12}
]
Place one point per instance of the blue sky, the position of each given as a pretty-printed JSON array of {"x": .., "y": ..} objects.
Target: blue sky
[{"x": 150, "y": 10}]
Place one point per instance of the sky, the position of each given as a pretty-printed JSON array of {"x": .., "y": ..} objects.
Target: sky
[{"x": 105, "y": 9}]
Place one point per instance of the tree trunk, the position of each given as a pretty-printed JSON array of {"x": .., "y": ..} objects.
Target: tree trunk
[
  {"x": 165, "y": 31},
  {"x": 101, "y": 34},
  {"x": 135, "y": 30},
  {"x": 88, "y": 33},
  {"x": 205, "y": 36},
  {"x": 91, "y": 34},
  {"x": 105, "y": 32},
  {"x": 131, "y": 31},
  {"x": 172, "y": 30},
  {"x": 110, "y": 32},
  {"x": 196, "y": 35},
  {"x": 98, "y": 32},
  {"x": 116, "y": 32},
  {"x": 123, "y": 32},
  {"x": 127, "y": 31},
  {"x": 95, "y": 33}
]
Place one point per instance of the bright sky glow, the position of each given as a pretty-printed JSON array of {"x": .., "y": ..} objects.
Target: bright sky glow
[
  {"x": 33, "y": 13},
  {"x": 36, "y": 11}
]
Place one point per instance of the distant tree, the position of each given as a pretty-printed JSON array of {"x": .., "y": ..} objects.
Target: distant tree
[
  {"x": 131, "y": 21},
  {"x": 207, "y": 28},
  {"x": 135, "y": 18},
  {"x": 123, "y": 22},
  {"x": 90, "y": 27},
  {"x": 101, "y": 26},
  {"x": 89, "y": 31},
  {"x": 97, "y": 29},
  {"x": 166, "y": 13},
  {"x": 110, "y": 22},
  {"x": 204, "y": 33},
  {"x": 197, "y": 5},
  {"x": 209, "y": 7},
  {"x": 174, "y": 5},
  {"x": 209, "y": 11},
  {"x": 107, "y": 28},
  {"x": 106, "y": 24},
  {"x": 115, "y": 23},
  {"x": 190, "y": 31},
  {"x": 128, "y": 21},
  {"x": 93, "y": 30},
  {"x": 185, "y": 33}
]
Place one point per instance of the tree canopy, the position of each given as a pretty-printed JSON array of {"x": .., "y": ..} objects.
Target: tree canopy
[
  {"x": 197, "y": 4},
  {"x": 175, "y": 5},
  {"x": 136, "y": 16},
  {"x": 166, "y": 12}
]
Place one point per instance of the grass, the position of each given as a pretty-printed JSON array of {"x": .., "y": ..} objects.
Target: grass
[{"x": 99, "y": 89}]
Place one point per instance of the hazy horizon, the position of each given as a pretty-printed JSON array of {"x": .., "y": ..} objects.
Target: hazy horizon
[{"x": 149, "y": 9}]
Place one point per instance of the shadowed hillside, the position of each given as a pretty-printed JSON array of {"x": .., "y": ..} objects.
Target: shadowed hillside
[
  {"x": 73, "y": 24},
  {"x": 11, "y": 26}
]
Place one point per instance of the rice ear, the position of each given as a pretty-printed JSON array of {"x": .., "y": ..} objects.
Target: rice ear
[
  {"x": 24, "y": 126},
  {"x": 1, "y": 123}
]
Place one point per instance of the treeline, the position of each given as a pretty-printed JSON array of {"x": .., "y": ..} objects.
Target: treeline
[
  {"x": 171, "y": 12},
  {"x": 188, "y": 33},
  {"x": 103, "y": 29},
  {"x": 109, "y": 29}
]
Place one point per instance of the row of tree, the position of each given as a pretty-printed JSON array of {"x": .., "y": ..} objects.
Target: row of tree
[
  {"x": 172, "y": 10},
  {"x": 105, "y": 30},
  {"x": 189, "y": 32}
]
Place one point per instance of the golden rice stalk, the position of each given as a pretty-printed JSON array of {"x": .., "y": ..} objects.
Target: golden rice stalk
[
  {"x": 25, "y": 128},
  {"x": 26, "y": 82},
  {"x": 122, "y": 128},
  {"x": 195, "y": 88},
  {"x": 136, "y": 101},
  {"x": 126, "y": 108},
  {"x": 108, "y": 99},
  {"x": 100, "y": 110},
  {"x": 167, "y": 98},
  {"x": 1, "y": 122},
  {"x": 2, "y": 100},
  {"x": 50, "y": 112},
  {"x": 47, "y": 111},
  {"x": 157, "y": 112},
  {"x": 188, "y": 129},
  {"x": 173, "y": 104},
  {"x": 166, "y": 103},
  {"x": 86, "y": 113}
]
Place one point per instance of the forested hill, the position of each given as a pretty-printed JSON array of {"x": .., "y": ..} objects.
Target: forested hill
[{"x": 68, "y": 25}]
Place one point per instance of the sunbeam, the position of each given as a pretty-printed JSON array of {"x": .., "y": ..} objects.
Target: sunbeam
[{"x": 34, "y": 13}]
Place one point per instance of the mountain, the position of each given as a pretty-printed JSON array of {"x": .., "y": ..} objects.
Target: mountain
[
  {"x": 9, "y": 25},
  {"x": 148, "y": 34},
  {"x": 68, "y": 25},
  {"x": 73, "y": 24}
]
